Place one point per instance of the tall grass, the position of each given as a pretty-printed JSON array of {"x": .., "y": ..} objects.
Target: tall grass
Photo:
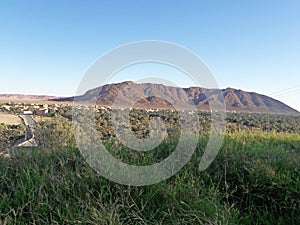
[{"x": 254, "y": 180}]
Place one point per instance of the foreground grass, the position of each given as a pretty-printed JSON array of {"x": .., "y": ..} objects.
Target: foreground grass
[{"x": 254, "y": 180}]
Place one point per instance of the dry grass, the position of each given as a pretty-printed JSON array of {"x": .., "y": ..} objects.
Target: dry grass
[
  {"x": 9, "y": 119},
  {"x": 42, "y": 118}
]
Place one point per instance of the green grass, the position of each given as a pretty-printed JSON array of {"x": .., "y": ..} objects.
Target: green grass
[{"x": 254, "y": 180}]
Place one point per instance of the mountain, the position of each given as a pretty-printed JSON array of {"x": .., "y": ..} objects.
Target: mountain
[
  {"x": 21, "y": 97},
  {"x": 130, "y": 93}
]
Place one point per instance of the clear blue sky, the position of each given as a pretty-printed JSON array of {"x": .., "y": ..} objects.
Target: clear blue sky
[{"x": 254, "y": 45}]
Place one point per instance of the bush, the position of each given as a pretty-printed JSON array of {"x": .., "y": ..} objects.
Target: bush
[{"x": 56, "y": 134}]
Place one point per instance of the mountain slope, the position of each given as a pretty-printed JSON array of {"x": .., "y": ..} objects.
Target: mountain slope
[
  {"x": 22, "y": 97},
  {"x": 146, "y": 95}
]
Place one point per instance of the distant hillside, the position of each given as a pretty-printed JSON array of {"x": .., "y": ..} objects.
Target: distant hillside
[
  {"x": 236, "y": 100},
  {"x": 21, "y": 97}
]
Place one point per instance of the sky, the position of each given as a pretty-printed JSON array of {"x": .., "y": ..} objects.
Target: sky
[{"x": 46, "y": 47}]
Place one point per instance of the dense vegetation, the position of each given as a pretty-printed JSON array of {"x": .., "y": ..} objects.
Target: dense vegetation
[
  {"x": 255, "y": 178},
  {"x": 263, "y": 122},
  {"x": 235, "y": 122},
  {"x": 10, "y": 134}
]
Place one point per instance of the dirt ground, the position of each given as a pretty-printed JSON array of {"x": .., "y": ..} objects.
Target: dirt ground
[{"x": 9, "y": 119}]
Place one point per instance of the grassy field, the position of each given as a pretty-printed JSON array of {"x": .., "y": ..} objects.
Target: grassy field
[
  {"x": 10, "y": 135},
  {"x": 42, "y": 118},
  {"x": 255, "y": 179},
  {"x": 9, "y": 119}
]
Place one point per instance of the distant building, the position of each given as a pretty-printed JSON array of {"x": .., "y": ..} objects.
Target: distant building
[
  {"x": 6, "y": 107},
  {"x": 27, "y": 112},
  {"x": 42, "y": 111},
  {"x": 52, "y": 109}
]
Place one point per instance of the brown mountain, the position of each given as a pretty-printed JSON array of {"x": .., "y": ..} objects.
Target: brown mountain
[{"x": 146, "y": 95}]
